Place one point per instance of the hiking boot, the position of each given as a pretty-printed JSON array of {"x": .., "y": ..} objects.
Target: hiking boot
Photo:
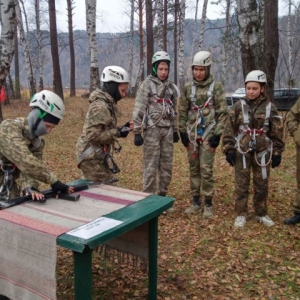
[
  {"x": 293, "y": 220},
  {"x": 193, "y": 209},
  {"x": 240, "y": 222},
  {"x": 266, "y": 220},
  {"x": 208, "y": 211}
]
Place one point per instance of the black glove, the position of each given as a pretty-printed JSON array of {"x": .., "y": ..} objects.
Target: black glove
[
  {"x": 214, "y": 141},
  {"x": 184, "y": 139},
  {"x": 230, "y": 157},
  {"x": 138, "y": 139},
  {"x": 59, "y": 187},
  {"x": 276, "y": 160},
  {"x": 123, "y": 131},
  {"x": 175, "y": 137}
]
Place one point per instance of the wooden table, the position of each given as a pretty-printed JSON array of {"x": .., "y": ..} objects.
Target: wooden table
[
  {"x": 145, "y": 211},
  {"x": 136, "y": 214}
]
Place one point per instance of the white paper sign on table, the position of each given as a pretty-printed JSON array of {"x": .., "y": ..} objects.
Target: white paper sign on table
[{"x": 94, "y": 228}]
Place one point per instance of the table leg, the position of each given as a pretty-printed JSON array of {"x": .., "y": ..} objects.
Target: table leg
[
  {"x": 153, "y": 242},
  {"x": 83, "y": 275}
]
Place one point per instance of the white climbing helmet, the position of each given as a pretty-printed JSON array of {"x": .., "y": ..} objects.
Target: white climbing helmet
[
  {"x": 160, "y": 55},
  {"x": 257, "y": 76},
  {"x": 49, "y": 102},
  {"x": 202, "y": 59},
  {"x": 114, "y": 73}
]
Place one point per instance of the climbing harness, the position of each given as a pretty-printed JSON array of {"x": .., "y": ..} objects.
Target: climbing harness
[
  {"x": 167, "y": 108},
  {"x": 199, "y": 127},
  {"x": 244, "y": 129},
  {"x": 8, "y": 180}
]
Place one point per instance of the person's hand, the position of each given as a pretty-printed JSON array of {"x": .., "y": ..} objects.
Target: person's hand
[
  {"x": 184, "y": 139},
  {"x": 231, "y": 157},
  {"x": 276, "y": 160},
  {"x": 175, "y": 137},
  {"x": 59, "y": 187},
  {"x": 214, "y": 141},
  {"x": 124, "y": 130},
  {"x": 35, "y": 194},
  {"x": 138, "y": 139}
]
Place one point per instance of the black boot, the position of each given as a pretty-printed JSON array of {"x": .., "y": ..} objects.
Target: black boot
[{"x": 293, "y": 220}]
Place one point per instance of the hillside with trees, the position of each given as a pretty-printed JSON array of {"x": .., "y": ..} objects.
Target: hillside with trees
[{"x": 113, "y": 50}]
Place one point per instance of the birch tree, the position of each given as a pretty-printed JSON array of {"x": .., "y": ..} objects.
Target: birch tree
[
  {"x": 249, "y": 27},
  {"x": 225, "y": 55},
  {"x": 181, "y": 45},
  {"x": 160, "y": 25},
  {"x": 17, "y": 66},
  {"x": 7, "y": 18},
  {"x": 202, "y": 24},
  {"x": 91, "y": 6},
  {"x": 27, "y": 54}
]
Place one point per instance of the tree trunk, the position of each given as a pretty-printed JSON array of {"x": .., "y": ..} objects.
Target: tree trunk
[
  {"x": 17, "y": 68},
  {"x": 39, "y": 44},
  {"x": 70, "y": 5},
  {"x": 181, "y": 45},
  {"x": 271, "y": 43},
  {"x": 27, "y": 55},
  {"x": 202, "y": 25},
  {"x": 149, "y": 34},
  {"x": 176, "y": 8},
  {"x": 131, "y": 46},
  {"x": 58, "y": 88},
  {"x": 193, "y": 39},
  {"x": 160, "y": 25},
  {"x": 249, "y": 30},
  {"x": 92, "y": 42},
  {"x": 7, "y": 17},
  {"x": 165, "y": 31},
  {"x": 226, "y": 43},
  {"x": 141, "y": 34}
]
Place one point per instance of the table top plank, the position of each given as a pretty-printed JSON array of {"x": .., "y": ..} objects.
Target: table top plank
[{"x": 132, "y": 216}]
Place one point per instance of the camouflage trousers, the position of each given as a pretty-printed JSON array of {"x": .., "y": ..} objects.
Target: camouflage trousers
[
  {"x": 296, "y": 202},
  {"x": 93, "y": 168},
  {"x": 201, "y": 170},
  {"x": 157, "y": 159},
  {"x": 242, "y": 185}
]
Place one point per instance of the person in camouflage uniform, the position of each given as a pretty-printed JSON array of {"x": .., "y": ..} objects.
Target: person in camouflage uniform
[
  {"x": 252, "y": 140},
  {"x": 155, "y": 125},
  {"x": 202, "y": 115},
  {"x": 100, "y": 132},
  {"x": 21, "y": 148},
  {"x": 293, "y": 121}
]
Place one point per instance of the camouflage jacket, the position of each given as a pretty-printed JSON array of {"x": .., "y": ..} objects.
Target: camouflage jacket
[
  {"x": 99, "y": 128},
  {"x": 257, "y": 114},
  {"x": 16, "y": 147},
  {"x": 293, "y": 121},
  {"x": 145, "y": 104},
  {"x": 187, "y": 116}
]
